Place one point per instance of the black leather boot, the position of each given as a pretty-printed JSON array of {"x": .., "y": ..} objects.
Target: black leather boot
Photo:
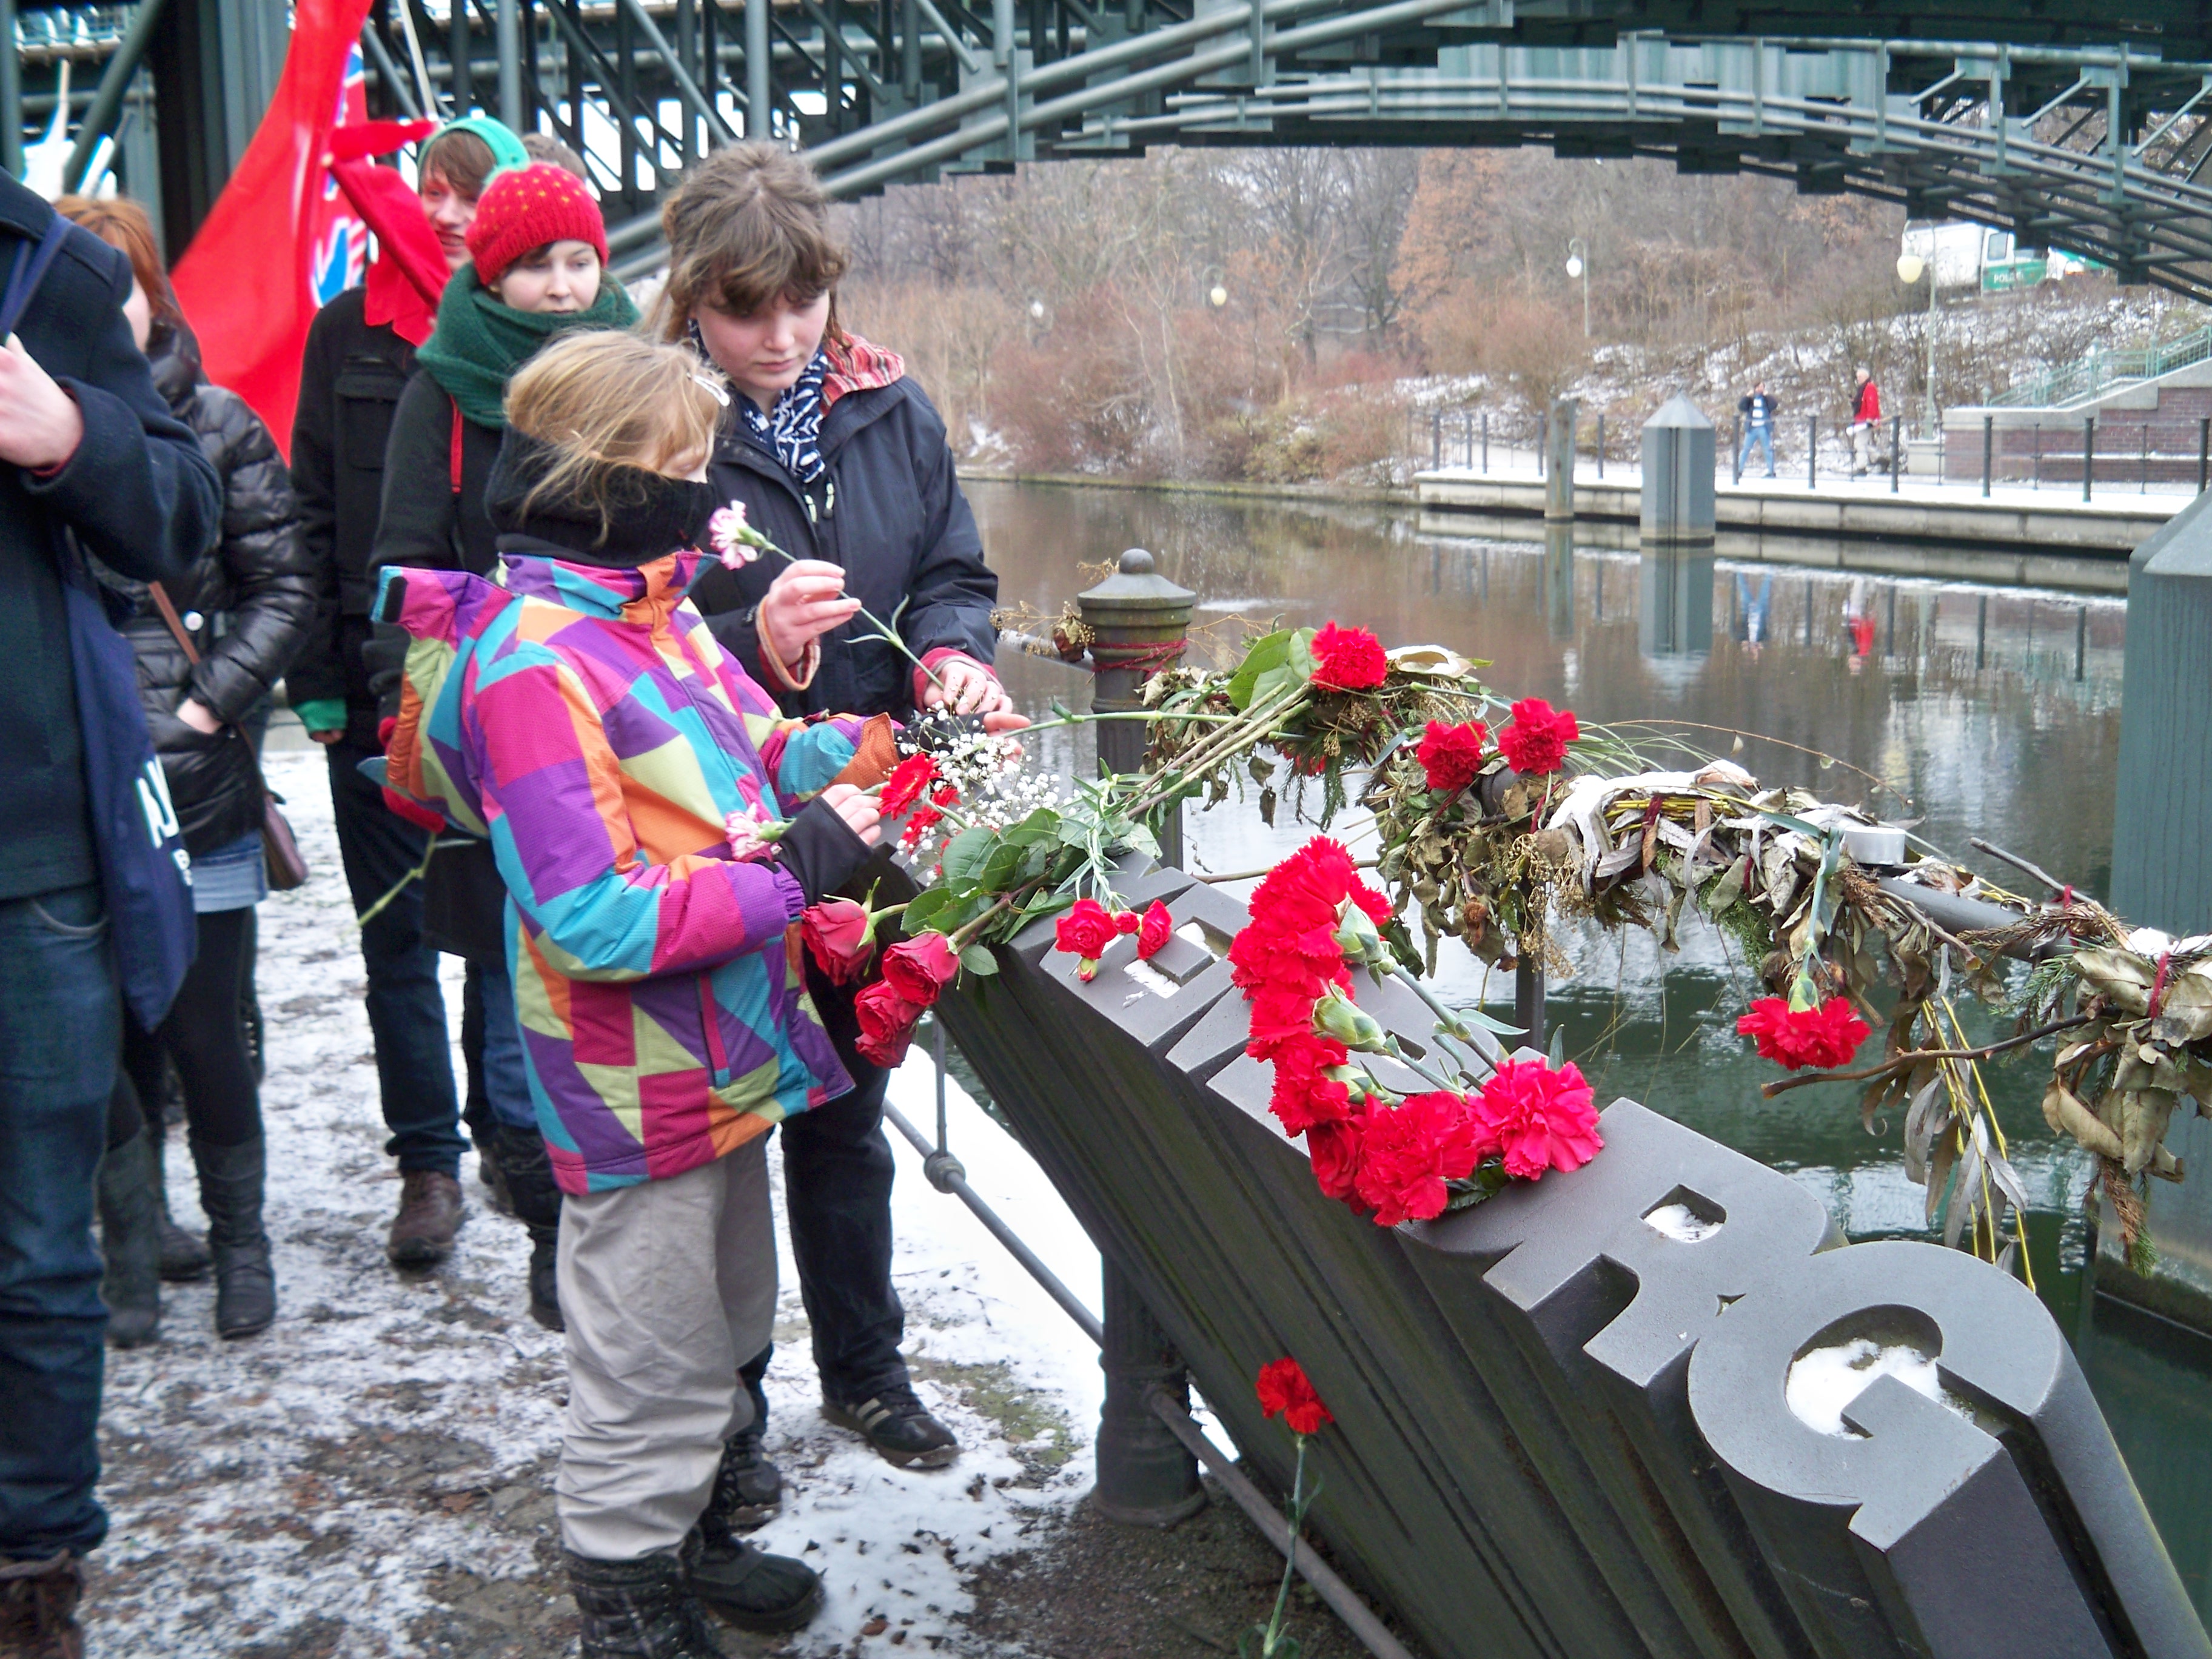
[
  {"x": 231, "y": 1180},
  {"x": 184, "y": 1253},
  {"x": 639, "y": 1609},
  {"x": 537, "y": 1200},
  {"x": 131, "y": 1240},
  {"x": 751, "y": 1588}
]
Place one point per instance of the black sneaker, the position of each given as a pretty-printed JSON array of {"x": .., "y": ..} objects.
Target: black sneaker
[
  {"x": 754, "y": 1590},
  {"x": 748, "y": 1488},
  {"x": 898, "y": 1426}
]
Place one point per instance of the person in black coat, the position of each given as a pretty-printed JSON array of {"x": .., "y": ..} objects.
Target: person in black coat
[
  {"x": 89, "y": 450},
  {"x": 842, "y": 461},
  {"x": 360, "y": 355},
  {"x": 244, "y": 606}
]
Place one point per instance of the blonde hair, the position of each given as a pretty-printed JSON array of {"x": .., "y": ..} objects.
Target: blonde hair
[
  {"x": 748, "y": 225},
  {"x": 613, "y": 407}
]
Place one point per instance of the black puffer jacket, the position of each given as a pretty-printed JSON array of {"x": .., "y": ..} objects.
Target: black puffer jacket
[
  {"x": 247, "y": 603},
  {"x": 888, "y": 510}
]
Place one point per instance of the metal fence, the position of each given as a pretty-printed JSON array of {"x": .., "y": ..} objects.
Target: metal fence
[{"x": 2100, "y": 370}]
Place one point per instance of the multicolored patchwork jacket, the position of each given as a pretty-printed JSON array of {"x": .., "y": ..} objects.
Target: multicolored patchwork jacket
[{"x": 585, "y": 723}]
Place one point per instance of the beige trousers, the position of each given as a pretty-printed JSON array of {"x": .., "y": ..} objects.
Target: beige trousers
[{"x": 667, "y": 1287}]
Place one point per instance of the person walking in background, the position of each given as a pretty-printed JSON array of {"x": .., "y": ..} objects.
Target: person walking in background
[
  {"x": 245, "y": 607},
  {"x": 840, "y": 460},
  {"x": 360, "y": 352},
  {"x": 582, "y": 716},
  {"x": 1866, "y": 419},
  {"x": 539, "y": 249},
  {"x": 1758, "y": 410},
  {"x": 88, "y": 449}
]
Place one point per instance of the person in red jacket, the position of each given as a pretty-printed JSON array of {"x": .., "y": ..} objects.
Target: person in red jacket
[{"x": 1866, "y": 417}]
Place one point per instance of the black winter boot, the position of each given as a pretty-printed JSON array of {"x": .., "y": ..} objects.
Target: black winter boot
[
  {"x": 184, "y": 1253},
  {"x": 639, "y": 1609},
  {"x": 131, "y": 1239},
  {"x": 537, "y": 1200},
  {"x": 231, "y": 1181},
  {"x": 38, "y": 1608},
  {"x": 748, "y": 1488},
  {"x": 751, "y": 1588}
]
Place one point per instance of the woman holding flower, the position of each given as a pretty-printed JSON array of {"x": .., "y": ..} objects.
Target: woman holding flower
[{"x": 836, "y": 456}]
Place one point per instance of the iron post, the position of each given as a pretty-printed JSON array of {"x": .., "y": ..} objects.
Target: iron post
[
  {"x": 1435, "y": 438},
  {"x": 1896, "y": 453},
  {"x": 11, "y": 95},
  {"x": 106, "y": 99},
  {"x": 506, "y": 27},
  {"x": 1138, "y": 622},
  {"x": 1812, "y": 451},
  {"x": 1485, "y": 442},
  {"x": 1601, "y": 443},
  {"x": 1736, "y": 450},
  {"x": 1988, "y": 450},
  {"x": 2088, "y": 455},
  {"x": 759, "y": 96},
  {"x": 462, "y": 85},
  {"x": 2203, "y": 454}
]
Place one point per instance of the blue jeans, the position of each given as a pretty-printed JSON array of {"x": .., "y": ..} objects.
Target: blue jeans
[
  {"x": 406, "y": 1009},
  {"x": 506, "y": 1084},
  {"x": 61, "y": 1028},
  {"x": 1762, "y": 434}
]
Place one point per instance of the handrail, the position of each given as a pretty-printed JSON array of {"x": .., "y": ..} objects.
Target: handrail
[{"x": 2101, "y": 370}]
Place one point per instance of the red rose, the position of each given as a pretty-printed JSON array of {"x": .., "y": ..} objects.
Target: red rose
[
  {"x": 1537, "y": 1118},
  {"x": 1407, "y": 1155},
  {"x": 1085, "y": 932},
  {"x": 1285, "y": 1393},
  {"x": 1347, "y": 658},
  {"x": 1799, "y": 1037},
  {"x": 840, "y": 935},
  {"x": 1452, "y": 755},
  {"x": 1334, "y": 1149},
  {"x": 908, "y": 782},
  {"x": 1536, "y": 741},
  {"x": 1303, "y": 1094},
  {"x": 886, "y": 1024},
  {"x": 917, "y": 969},
  {"x": 1154, "y": 932}
]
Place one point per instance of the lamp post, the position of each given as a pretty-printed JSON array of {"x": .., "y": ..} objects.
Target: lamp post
[
  {"x": 1217, "y": 291},
  {"x": 1909, "y": 268},
  {"x": 1578, "y": 269}
]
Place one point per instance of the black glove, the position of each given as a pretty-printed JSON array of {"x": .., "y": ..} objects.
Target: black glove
[
  {"x": 820, "y": 850},
  {"x": 384, "y": 653}
]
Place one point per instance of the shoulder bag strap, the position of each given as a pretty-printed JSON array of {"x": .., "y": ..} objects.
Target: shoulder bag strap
[
  {"x": 28, "y": 271},
  {"x": 168, "y": 610}
]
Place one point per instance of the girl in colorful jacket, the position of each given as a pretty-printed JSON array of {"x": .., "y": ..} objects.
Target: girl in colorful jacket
[{"x": 660, "y": 827}]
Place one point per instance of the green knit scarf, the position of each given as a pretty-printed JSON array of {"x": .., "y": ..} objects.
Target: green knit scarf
[{"x": 480, "y": 341}]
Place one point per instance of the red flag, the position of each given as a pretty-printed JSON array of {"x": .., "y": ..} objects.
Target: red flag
[{"x": 281, "y": 209}]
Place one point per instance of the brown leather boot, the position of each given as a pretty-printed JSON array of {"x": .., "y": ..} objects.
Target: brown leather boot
[
  {"x": 430, "y": 1211},
  {"x": 38, "y": 1608}
]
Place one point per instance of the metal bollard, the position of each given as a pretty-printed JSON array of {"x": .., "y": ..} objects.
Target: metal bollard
[
  {"x": 1735, "y": 449},
  {"x": 1812, "y": 451},
  {"x": 1140, "y": 621},
  {"x": 2088, "y": 455},
  {"x": 2204, "y": 454},
  {"x": 1435, "y": 440},
  {"x": 2144, "y": 487},
  {"x": 1485, "y": 442},
  {"x": 1601, "y": 444},
  {"x": 1896, "y": 452},
  {"x": 1988, "y": 450}
]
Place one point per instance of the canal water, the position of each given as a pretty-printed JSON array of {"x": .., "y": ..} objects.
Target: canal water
[{"x": 1983, "y": 711}]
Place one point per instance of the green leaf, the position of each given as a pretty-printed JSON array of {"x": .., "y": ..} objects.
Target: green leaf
[
  {"x": 923, "y": 907},
  {"x": 1269, "y": 651},
  {"x": 1300, "y": 657},
  {"x": 1272, "y": 683},
  {"x": 978, "y": 959},
  {"x": 965, "y": 854},
  {"x": 1003, "y": 868}
]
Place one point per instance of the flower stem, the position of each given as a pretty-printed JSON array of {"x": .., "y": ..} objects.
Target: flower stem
[{"x": 1298, "y": 1514}]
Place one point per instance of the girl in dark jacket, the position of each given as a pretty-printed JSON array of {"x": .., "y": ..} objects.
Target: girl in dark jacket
[
  {"x": 246, "y": 604},
  {"x": 840, "y": 460},
  {"x": 538, "y": 248}
]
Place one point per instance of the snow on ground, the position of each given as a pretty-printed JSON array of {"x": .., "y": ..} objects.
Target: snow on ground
[{"x": 372, "y": 1476}]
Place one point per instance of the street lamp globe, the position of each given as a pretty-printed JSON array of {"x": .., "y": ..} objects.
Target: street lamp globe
[
  {"x": 1909, "y": 267},
  {"x": 1036, "y": 311},
  {"x": 1574, "y": 266},
  {"x": 1216, "y": 297}
]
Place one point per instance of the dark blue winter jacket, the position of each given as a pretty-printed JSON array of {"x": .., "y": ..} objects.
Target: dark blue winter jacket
[{"x": 137, "y": 492}]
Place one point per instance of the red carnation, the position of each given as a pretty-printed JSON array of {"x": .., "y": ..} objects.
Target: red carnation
[
  {"x": 908, "y": 782},
  {"x": 1285, "y": 1392},
  {"x": 917, "y": 969},
  {"x": 886, "y": 1024},
  {"x": 1537, "y": 1118},
  {"x": 1536, "y": 741},
  {"x": 1154, "y": 930},
  {"x": 1405, "y": 1155},
  {"x": 1798, "y": 1037},
  {"x": 1347, "y": 658},
  {"x": 1085, "y": 932},
  {"x": 1304, "y": 1095},
  {"x": 923, "y": 820},
  {"x": 1334, "y": 1149},
  {"x": 1126, "y": 922},
  {"x": 1452, "y": 755}
]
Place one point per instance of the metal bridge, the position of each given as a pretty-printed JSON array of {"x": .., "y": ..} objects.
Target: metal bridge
[{"x": 2088, "y": 133}]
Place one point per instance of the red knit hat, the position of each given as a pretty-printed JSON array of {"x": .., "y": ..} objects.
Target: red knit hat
[{"x": 528, "y": 209}]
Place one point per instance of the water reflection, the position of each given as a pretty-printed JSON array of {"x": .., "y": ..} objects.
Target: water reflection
[{"x": 1971, "y": 710}]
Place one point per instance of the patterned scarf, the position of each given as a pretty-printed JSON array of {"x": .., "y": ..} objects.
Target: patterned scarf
[{"x": 792, "y": 431}]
